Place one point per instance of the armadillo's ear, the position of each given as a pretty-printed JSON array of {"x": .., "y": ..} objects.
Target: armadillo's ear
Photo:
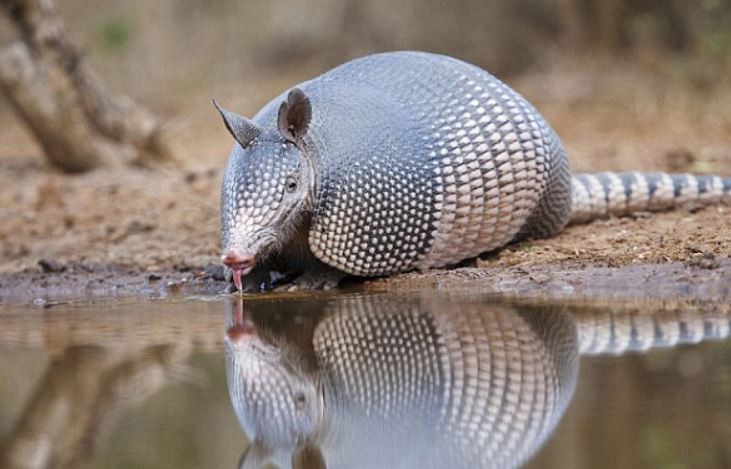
[
  {"x": 294, "y": 115},
  {"x": 308, "y": 456},
  {"x": 242, "y": 129},
  {"x": 255, "y": 456}
]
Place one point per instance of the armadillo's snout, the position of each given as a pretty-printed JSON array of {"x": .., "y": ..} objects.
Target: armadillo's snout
[
  {"x": 243, "y": 262},
  {"x": 240, "y": 264}
]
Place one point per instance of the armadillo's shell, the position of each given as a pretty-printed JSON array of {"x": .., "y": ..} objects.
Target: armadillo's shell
[{"x": 424, "y": 160}]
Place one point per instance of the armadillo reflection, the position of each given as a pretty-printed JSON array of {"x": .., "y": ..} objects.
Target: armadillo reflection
[
  {"x": 378, "y": 381},
  {"x": 408, "y": 384}
]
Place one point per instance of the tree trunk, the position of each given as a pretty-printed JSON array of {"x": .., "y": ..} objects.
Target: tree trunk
[{"x": 79, "y": 124}]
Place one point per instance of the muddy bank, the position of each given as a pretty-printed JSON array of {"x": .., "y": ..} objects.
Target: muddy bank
[
  {"x": 704, "y": 279},
  {"x": 708, "y": 281},
  {"x": 53, "y": 282}
]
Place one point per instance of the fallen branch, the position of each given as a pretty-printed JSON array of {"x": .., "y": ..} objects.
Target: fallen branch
[{"x": 77, "y": 121}]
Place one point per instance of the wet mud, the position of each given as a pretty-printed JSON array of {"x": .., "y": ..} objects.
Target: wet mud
[{"x": 706, "y": 280}]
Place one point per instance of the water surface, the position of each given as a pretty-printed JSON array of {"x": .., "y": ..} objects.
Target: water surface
[{"x": 417, "y": 380}]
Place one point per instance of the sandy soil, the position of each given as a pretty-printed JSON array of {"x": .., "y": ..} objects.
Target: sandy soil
[{"x": 140, "y": 229}]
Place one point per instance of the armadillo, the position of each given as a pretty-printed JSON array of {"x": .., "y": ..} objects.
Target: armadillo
[
  {"x": 408, "y": 160},
  {"x": 425, "y": 382}
]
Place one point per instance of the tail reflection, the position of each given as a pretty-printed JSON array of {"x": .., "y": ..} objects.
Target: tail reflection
[{"x": 417, "y": 383}]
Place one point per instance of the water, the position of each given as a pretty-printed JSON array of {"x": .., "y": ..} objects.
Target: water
[{"x": 414, "y": 380}]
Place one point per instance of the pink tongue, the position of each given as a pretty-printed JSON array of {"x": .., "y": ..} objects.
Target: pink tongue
[
  {"x": 237, "y": 279},
  {"x": 243, "y": 326}
]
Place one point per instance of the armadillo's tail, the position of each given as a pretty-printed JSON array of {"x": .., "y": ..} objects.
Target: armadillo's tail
[
  {"x": 619, "y": 331},
  {"x": 602, "y": 194}
]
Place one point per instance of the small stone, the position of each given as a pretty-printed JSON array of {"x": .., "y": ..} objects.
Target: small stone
[
  {"x": 679, "y": 160},
  {"x": 540, "y": 278},
  {"x": 140, "y": 226},
  {"x": 706, "y": 261},
  {"x": 49, "y": 266}
]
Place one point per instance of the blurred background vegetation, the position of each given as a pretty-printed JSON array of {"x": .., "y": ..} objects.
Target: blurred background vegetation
[
  {"x": 641, "y": 62},
  {"x": 170, "y": 52}
]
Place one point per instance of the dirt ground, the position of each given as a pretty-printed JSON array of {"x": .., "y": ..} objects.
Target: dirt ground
[{"x": 139, "y": 230}]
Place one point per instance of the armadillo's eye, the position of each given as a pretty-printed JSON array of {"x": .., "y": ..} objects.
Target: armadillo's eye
[
  {"x": 300, "y": 400},
  {"x": 291, "y": 183}
]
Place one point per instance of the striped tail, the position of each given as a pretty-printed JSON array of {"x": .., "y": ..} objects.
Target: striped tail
[
  {"x": 603, "y": 194},
  {"x": 619, "y": 331}
]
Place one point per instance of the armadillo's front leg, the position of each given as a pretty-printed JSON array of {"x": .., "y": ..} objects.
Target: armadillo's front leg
[{"x": 320, "y": 278}]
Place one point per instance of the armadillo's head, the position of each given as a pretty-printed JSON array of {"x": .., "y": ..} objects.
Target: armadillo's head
[
  {"x": 267, "y": 186},
  {"x": 278, "y": 402}
]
